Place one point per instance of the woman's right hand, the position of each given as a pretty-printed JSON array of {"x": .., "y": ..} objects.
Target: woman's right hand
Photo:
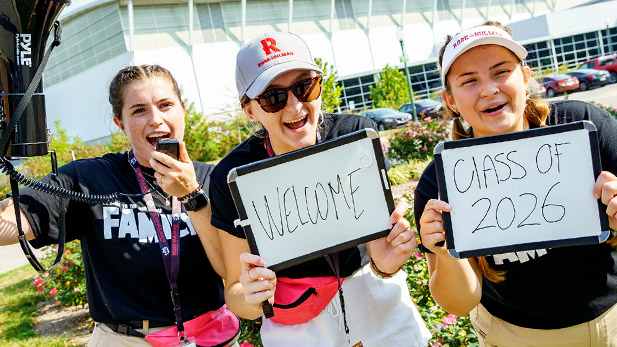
[
  {"x": 258, "y": 282},
  {"x": 431, "y": 225}
]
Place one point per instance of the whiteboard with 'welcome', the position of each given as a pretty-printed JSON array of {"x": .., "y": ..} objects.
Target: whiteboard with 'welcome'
[{"x": 314, "y": 201}]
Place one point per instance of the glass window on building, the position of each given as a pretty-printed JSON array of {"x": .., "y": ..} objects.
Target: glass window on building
[
  {"x": 211, "y": 23},
  {"x": 356, "y": 93},
  {"x": 87, "y": 40}
]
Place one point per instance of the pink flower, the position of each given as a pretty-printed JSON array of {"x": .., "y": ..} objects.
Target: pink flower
[
  {"x": 53, "y": 291},
  {"x": 424, "y": 149},
  {"x": 417, "y": 255},
  {"x": 38, "y": 282},
  {"x": 246, "y": 344},
  {"x": 450, "y": 319},
  {"x": 435, "y": 344},
  {"x": 64, "y": 268},
  {"x": 428, "y": 119},
  {"x": 75, "y": 289},
  {"x": 433, "y": 308},
  {"x": 416, "y": 124},
  {"x": 45, "y": 275},
  {"x": 40, "y": 289}
]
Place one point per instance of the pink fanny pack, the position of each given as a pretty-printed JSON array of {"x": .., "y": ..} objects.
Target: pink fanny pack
[
  {"x": 298, "y": 300},
  {"x": 214, "y": 328}
]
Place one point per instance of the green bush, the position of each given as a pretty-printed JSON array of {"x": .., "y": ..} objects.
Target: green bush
[
  {"x": 210, "y": 140},
  {"x": 418, "y": 140},
  {"x": 407, "y": 171}
]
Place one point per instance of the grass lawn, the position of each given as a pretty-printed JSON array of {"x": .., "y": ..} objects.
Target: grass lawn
[{"x": 18, "y": 310}]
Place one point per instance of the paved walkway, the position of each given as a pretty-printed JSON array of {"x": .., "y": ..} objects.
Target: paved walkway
[{"x": 12, "y": 257}]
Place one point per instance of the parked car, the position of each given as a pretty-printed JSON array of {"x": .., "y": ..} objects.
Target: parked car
[
  {"x": 537, "y": 90},
  {"x": 557, "y": 84},
  {"x": 387, "y": 118},
  {"x": 425, "y": 108},
  {"x": 589, "y": 78},
  {"x": 606, "y": 63}
]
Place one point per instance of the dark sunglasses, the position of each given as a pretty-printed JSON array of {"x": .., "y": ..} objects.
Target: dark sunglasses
[{"x": 275, "y": 99}]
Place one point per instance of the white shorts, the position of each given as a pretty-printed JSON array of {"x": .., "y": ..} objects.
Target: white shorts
[{"x": 379, "y": 313}]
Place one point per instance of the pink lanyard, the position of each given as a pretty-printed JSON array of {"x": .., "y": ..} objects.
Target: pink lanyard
[{"x": 171, "y": 259}]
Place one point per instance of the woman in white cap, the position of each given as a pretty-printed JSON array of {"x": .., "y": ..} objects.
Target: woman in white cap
[
  {"x": 279, "y": 86},
  {"x": 562, "y": 296}
]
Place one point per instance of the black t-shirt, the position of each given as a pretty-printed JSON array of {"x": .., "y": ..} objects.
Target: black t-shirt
[
  {"x": 125, "y": 275},
  {"x": 558, "y": 287},
  {"x": 224, "y": 211}
]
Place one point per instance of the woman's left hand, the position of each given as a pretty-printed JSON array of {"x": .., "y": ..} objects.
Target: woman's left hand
[
  {"x": 391, "y": 252},
  {"x": 176, "y": 177},
  {"x": 605, "y": 189}
]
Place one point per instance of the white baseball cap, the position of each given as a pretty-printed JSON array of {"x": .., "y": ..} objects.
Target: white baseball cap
[
  {"x": 477, "y": 36},
  {"x": 267, "y": 56}
]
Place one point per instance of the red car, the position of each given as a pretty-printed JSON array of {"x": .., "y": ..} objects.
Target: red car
[
  {"x": 557, "y": 84},
  {"x": 607, "y": 63}
]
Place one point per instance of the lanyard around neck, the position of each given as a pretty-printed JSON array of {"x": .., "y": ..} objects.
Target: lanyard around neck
[
  {"x": 171, "y": 258},
  {"x": 269, "y": 145}
]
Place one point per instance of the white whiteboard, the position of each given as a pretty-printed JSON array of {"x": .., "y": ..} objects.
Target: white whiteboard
[
  {"x": 521, "y": 191},
  {"x": 315, "y": 201}
]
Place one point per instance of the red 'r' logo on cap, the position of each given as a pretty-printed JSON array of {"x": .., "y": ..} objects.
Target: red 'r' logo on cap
[{"x": 268, "y": 45}]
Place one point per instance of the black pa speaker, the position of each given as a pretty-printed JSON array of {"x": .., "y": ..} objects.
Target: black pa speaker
[{"x": 25, "y": 26}]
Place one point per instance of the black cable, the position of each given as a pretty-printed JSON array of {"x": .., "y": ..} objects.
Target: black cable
[{"x": 8, "y": 169}]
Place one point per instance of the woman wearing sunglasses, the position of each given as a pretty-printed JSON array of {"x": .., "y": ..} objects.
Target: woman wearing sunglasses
[{"x": 280, "y": 87}]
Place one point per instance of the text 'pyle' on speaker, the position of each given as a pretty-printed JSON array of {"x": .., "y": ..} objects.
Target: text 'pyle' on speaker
[{"x": 25, "y": 26}]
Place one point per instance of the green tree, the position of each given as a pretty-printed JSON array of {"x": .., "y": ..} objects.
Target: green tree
[
  {"x": 391, "y": 90},
  {"x": 331, "y": 90},
  {"x": 211, "y": 140}
]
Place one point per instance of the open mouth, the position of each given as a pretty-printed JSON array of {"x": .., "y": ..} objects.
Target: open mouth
[
  {"x": 495, "y": 108},
  {"x": 155, "y": 137},
  {"x": 296, "y": 123}
]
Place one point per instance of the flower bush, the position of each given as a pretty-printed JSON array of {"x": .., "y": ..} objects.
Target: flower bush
[
  {"x": 611, "y": 110},
  {"x": 418, "y": 140},
  {"x": 66, "y": 282}
]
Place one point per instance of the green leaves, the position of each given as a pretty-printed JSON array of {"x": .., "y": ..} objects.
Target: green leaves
[
  {"x": 331, "y": 90},
  {"x": 391, "y": 90}
]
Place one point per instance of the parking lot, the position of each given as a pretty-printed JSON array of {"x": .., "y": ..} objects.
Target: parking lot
[{"x": 605, "y": 96}]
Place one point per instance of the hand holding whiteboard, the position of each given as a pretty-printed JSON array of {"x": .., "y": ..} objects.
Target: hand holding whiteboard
[
  {"x": 314, "y": 201},
  {"x": 521, "y": 191}
]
